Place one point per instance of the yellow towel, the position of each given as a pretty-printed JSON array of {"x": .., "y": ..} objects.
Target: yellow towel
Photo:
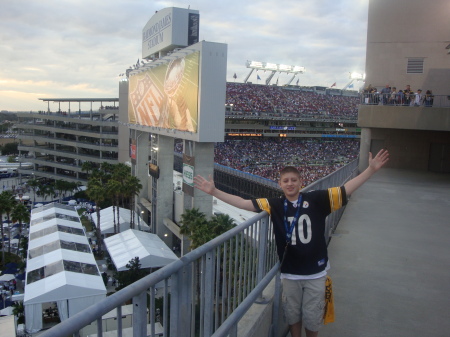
[{"x": 328, "y": 314}]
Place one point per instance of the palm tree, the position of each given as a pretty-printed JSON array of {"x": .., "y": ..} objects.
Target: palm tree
[
  {"x": 195, "y": 225},
  {"x": 97, "y": 192},
  {"x": 88, "y": 167},
  {"x": 132, "y": 188},
  {"x": 200, "y": 230},
  {"x": 107, "y": 168},
  {"x": 19, "y": 311},
  {"x": 3, "y": 234},
  {"x": 20, "y": 214},
  {"x": 70, "y": 186},
  {"x": 221, "y": 223},
  {"x": 7, "y": 202},
  {"x": 60, "y": 186},
  {"x": 46, "y": 191},
  {"x": 34, "y": 184},
  {"x": 113, "y": 188}
]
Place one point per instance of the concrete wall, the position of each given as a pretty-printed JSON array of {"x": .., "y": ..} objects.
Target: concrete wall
[
  {"x": 164, "y": 202},
  {"x": 259, "y": 318},
  {"x": 124, "y": 131},
  {"x": 402, "y": 29},
  {"x": 408, "y": 149},
  {"x": 404, "y": 117}
]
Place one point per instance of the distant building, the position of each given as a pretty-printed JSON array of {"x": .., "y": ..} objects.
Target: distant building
[{"x": 58, "y": 143}]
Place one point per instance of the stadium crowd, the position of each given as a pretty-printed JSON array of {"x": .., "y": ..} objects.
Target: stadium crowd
[
  {"x": 315, "y": 158},
  {"x": 251, "y": 98}
]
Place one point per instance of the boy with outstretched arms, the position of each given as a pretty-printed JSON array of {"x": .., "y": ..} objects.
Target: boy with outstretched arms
[{"x": 299, "y": 226}]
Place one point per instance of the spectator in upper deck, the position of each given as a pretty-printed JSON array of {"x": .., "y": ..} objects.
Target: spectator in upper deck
[
  {"x": 385, "y": 94},
  {"x": 428, "y": 99},
  {"x": 409, "y": 95},
  {"x": 400, "y": 98},
  {"x": 418, "y": 98},
  {"x": 393, "y": 96}
]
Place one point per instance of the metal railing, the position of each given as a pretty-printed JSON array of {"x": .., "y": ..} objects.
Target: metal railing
[{"x": 207, "y": 291}]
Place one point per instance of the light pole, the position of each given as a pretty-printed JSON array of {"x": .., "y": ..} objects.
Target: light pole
[{"x": 139, "y": 219}]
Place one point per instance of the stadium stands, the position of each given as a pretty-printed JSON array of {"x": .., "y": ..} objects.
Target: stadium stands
[{"x": 256, "y": 99}]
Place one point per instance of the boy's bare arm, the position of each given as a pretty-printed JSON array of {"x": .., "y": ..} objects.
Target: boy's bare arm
[
  {"x": 375, "y": 164},
  {"x": 207, "y": 186}
]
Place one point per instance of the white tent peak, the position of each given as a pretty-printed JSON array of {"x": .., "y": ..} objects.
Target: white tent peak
[
  {"x": 150, "y": 249},
  {"x": 107, "y": 220}
]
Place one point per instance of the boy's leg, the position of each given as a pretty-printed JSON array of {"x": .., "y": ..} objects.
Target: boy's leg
[
  {"x": 313, "y": 305},
  {"x": 291, "y": 297},
  {"x": 296, "y": 329}
]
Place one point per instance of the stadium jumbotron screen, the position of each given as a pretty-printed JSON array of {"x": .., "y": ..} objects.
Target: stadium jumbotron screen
[{"x": 166, "y": 96}]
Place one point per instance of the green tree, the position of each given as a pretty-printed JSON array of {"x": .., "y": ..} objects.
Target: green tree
[
  {"x": 46, "y": 191},
  {"x": 127, "y": 277},
  {"x": 96, "y": 191},
  {"x": 113, "y": 191},
  {"x": 221, "y": 223},
  {"x": 88, "y": 167},
  {"x": 119, "y": 177},
  {"x": 60, "y": 186},
  {"x": 24, "y": 245},
  {"x": 10, "y": 149},
  {"x": 20, "y": 214},
  {"x": 34, "y": 185},
  {"x": 7, "y": 204},
  {"x": 199, "y": 230},
  {"x": 132, "y": 188},
  {"x": 19, "y": 312}
]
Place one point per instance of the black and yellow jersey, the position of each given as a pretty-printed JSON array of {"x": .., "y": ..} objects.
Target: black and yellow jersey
[{"x": 307, "y": 253}]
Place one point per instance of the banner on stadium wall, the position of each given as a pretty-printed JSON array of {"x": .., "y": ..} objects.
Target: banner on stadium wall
[
  {"x": 188, "y": 175},
  {"x": 133, "y": 151}
]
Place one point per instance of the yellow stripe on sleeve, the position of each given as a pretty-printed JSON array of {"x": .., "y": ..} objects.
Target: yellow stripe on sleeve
[
  {"x": 264, "y": 205},
  {"x": 335, "y": 197}
]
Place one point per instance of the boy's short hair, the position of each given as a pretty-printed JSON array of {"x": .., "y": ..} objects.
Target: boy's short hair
[{"x": 289, "y": 169}]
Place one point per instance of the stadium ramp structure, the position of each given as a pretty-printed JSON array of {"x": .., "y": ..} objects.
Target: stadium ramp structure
[{"x": 229, "y": 286}]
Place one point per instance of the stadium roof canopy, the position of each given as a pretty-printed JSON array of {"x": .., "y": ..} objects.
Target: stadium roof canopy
[
  {"x": 150, "y": 249},
  {"x": 60, "y": 265}
]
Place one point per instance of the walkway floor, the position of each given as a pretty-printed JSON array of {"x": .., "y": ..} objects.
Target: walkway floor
[{"x": 390, "y": 258}]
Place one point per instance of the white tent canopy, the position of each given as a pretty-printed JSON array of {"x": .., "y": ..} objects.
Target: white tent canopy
[
  {"x": 107, "y": 220},
  {"x": 150, "y": 249},
  {"x": 60, "y": 266},
  {"x": 7, "y": 277}
]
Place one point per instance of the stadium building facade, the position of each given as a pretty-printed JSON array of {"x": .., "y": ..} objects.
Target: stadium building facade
[
  {"x": 57, "y": 143},
  {"x": 406, "y": 46}
]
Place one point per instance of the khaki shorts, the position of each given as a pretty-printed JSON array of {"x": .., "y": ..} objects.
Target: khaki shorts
[{"x": 304, "y": 301}]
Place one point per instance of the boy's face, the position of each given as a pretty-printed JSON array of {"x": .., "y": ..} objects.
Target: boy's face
[{"x": 291, "y": 184}]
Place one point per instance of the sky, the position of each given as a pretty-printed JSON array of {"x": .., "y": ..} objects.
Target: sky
[{"x": 78, "y": 48}]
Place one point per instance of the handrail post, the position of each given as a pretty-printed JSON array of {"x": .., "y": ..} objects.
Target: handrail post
[
  {"x": 262, "y": 250},
  {"x": 119, "y": 321},
  {"x": 181, "y": 302},
  {"x": 209, "y": 293},
  {"x": 140, "y": 315},
  {"x": 276, "y": 305}
]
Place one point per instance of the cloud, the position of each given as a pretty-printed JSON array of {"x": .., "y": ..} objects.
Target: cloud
[{"x": 77, "y": 48}]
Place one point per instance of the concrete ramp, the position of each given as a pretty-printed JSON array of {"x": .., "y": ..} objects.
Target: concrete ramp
[{"x": 390, "y": 258}]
